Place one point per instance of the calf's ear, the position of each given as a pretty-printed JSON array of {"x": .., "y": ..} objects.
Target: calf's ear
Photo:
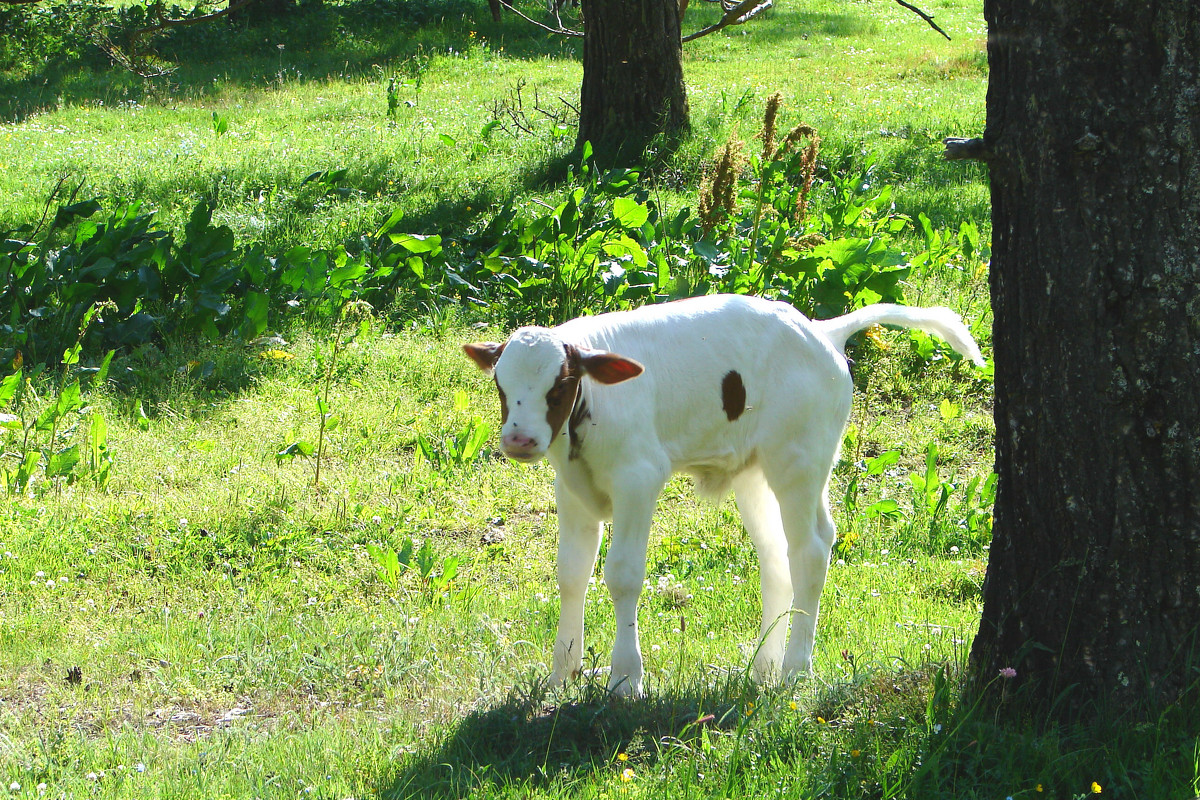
[
  {"x": 484, "y": 354},
  {"x": 609, "y": 368}
]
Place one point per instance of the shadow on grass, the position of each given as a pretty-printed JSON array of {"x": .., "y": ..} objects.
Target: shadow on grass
[
  {"x": 535, "y": 740},
  {"x": 353, "y": 39}
]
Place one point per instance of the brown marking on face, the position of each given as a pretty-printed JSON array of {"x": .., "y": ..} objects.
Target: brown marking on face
[
  {"x": 733, "y": 395},
  {"x": 560, "y": 400},
  {"x": 503, "y": 403}
]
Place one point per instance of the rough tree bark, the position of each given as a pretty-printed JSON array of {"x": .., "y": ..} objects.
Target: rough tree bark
[
  {"x": 632, "y": 85},
  {"x": 1093, "y": 136}
]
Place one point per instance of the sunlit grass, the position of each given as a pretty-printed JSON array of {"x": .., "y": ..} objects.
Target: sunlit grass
[{"x": 871, "y": 78}]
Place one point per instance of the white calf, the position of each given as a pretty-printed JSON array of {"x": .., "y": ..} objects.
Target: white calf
[{"x": 737, "y": 391}]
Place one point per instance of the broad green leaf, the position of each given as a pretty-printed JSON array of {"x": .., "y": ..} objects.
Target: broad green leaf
[
  {"x": 882, "y": 508},
  {"x": 102, "y": 373},
  {"x": 68, "y": 214},
  {"x": 300, "y": 448},
  {"x": 9, "y": 387},
  {"x": 254, "y": 315},
  {"x": 62, "y": 462},
  {"x": 629, "y": 213},
  {"x": 416, "y": 243},
  {"x": 876, "y": 466}
]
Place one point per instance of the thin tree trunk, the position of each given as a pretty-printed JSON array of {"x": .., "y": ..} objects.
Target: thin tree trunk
[
  {"x": 1093, "y": 586},
  {"x": 632, "y": 76}
]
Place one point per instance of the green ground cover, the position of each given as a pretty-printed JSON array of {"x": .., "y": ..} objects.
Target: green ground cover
[{"x": 194, "y": 614}]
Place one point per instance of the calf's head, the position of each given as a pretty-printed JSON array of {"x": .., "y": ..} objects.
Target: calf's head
[{"x": 537, "y": 375}]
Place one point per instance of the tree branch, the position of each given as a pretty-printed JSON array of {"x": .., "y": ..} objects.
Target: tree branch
[
  {"x": 559, "y": 30},
  {"x": 734, "y": 15},
  {"x": 960, "y": 149},
  {"x": 925, "y": 17},
  {"x": 179, "y": 22}
]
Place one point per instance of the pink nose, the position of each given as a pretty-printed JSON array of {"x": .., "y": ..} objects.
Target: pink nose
[{"x": 516, "y": 444}]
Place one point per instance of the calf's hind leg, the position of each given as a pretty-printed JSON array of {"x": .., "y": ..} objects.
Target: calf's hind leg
[
  {"x": 802, "y": 492},
  {"x": 760, "y": 516}
]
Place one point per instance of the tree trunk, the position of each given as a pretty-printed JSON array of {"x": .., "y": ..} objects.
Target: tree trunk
[
  {"x": 632, "y": 76},
  {"x": 1093, "y": 131}
]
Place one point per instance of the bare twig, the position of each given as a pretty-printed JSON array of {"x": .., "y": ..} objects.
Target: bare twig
[
  {"x": 735, "y": 14},
  {"x": 133, "y": 63},
  {"x": 925, "y": 17},
  {"x": 562, "y": 31},
  {"x": 49, "y": 202}
]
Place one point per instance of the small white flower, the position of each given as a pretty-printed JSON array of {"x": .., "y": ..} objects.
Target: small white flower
[
  {"x": 50, "y": 584},
  {"x": 39, "y": 574},
  {"x": 183, "y": 523},
  {"x": 14, "y": 787},
  {"x": 377, "y": 519},
  {"x": 937, "y": 728},
  {"x": 953, "y": 548},
  {"x": 139, "y": 767},
  {"x": 41, "y": 788}
]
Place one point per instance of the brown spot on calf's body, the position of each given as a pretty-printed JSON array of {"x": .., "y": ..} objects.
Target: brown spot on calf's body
[{"x": 733, "y": 395}]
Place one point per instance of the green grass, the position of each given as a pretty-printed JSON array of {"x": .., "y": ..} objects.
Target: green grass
[
  {"x": 230, "y": 630},
  {"x": 871, "y": 79},
  {"x": 224, "y": 611}
]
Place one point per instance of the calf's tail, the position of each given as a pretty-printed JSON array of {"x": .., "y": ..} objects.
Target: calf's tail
[{"x": 940, "y": 321}]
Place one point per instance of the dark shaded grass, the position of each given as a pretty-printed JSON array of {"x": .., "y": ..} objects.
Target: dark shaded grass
[{"x": 354, "y": 39}]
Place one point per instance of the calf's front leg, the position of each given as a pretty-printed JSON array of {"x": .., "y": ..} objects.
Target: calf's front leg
[
  {"x": 625, "y": 571},
  {"x": 578, "y": 542}
]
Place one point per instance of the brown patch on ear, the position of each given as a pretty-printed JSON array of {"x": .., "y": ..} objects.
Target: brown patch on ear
[
  {"x": 733, "y": 395},
  {"x": 484, "y": 354},
  {"x": 610, "y": 368}
]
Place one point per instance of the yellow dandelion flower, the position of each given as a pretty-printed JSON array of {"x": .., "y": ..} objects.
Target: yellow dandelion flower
[
  {"x": 276, "y": 355},
  {"x": 793, "y": 705},
  {"x": 1096, "y": 788},
  {"x": 627, "y": 775},
  {"x": 622, "y": 756},
  {"x": 875, "y": 336},
  {"x": 1039, "y": 788},
  {"x": 855, "y": 753}
]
